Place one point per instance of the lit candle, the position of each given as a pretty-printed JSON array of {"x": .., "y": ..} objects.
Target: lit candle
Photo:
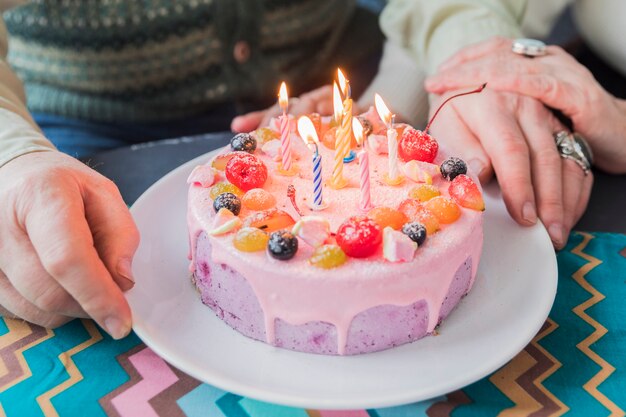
[
  {"x": 308, "y": 135},
  {"x": 393, "y": 176},
  {"x": 364, "y": 163},
  {"x": 285, "y": 134},
  {"x": 341, "y": 147},
  {"x": 346, "y": 117}
]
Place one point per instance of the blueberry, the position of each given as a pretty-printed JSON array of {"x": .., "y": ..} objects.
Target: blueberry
[
  {"x": 229, "y": 201},
  {"x": 415, "y": 231},
  {"x": 243, "y": 142},
  {"x": 282, "y": 245},
  {"x": 452, "y": 167}
]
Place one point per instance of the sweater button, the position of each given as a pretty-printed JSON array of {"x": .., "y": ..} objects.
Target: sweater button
[{"x": 241, "y": 52}]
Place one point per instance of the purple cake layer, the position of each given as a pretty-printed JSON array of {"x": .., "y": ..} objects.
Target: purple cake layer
[{"x": 230, "y": 296}]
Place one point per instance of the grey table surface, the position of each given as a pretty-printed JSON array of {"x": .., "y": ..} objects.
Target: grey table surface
[{"x": 134, "y": 169}]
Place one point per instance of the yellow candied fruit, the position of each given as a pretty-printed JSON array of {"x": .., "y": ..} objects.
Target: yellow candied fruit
[
  {"x": 250, "y": 239},
  {"x": 265, "y": 134},
  {"x": 224, "y": 187},
  {"x": 328, "y": 257},
  {"x": 424, "y": 192}
]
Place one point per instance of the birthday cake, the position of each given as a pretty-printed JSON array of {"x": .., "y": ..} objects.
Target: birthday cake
[{"x": 302, "y": 260}]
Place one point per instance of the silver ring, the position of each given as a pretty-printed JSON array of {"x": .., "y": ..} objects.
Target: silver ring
[
  {"x": 575, "y": 147},
  {"x": 528, "y": 47}
]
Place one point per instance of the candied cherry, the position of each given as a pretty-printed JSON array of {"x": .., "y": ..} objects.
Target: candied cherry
[
  {"x": 386, "y": 216},
  {"x": 244, "y": 142},
  {"x": 466, "y": 193},
  {"x": 328, "y": 257},
  {"x": 444, "y": 208},
  {"x": 417, "y": 145},
  {"x": 452, "y": 167},
  {"x": 250, "y": 239},
  {"x": 224, "y": 187},
  {"x": 228, "y": 201},
  {"x": 258, "y": 199},
  {"x": 359, "y": 236},
  {"x": 246, "y": 171},
  {"x": 417, "y": 212}
]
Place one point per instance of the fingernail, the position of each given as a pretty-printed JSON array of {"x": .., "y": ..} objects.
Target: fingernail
[
  {"x": 116, "y": 327},
  {"x": 529, "y": 213},
  {"x": 556, "y": 234},
  {"x": 125, "y": 269},
  {"x": 476, "y": 166}
]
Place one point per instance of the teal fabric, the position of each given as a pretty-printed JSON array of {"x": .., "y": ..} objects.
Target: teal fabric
[{"x": 576, "y": 365}]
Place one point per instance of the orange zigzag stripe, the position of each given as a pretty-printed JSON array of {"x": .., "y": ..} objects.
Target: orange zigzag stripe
[
  {"x": 607, "y": 369},
  {"x": 15, "y": 369},
  {"x": 44, "y": 400},
  {"x": 521, "y": 379}
]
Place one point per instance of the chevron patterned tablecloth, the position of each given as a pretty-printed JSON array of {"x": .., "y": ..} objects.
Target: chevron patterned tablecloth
[{"x": 575, "y": 366}]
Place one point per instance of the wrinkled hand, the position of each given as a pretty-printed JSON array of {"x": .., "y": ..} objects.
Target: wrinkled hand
[
  {"x": 319, "y": 101},
  {"x": 557, "y": 80},
  {"x": 66, "y": 243},
  {"x": 511, "y": 134}
]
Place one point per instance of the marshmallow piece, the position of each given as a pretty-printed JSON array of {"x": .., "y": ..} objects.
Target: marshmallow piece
[
  {"x": 397, "y": 247},
  {"x": 313, "y": 230},
  {"x": 272, "y": 148},
  {"x": 378, "y": 144},
  {"x": 415, "y": 171},
  {"x": 202, "y": 175},
  {"x": 225, "y": 221}
]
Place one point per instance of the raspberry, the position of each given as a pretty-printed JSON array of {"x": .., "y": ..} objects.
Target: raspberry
[
  {"x": 246, "y": 171},
  {"x": 417, "y": 145},
  {"x": 359, "y": 236}
]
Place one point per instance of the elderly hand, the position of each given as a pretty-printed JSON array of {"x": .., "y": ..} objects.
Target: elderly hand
[
  {"x": 66, "y": 243},
  {"x": 319, "y": 101},
  {"x": 557, "y": 80},
  {"x": 512, "y": 135}
]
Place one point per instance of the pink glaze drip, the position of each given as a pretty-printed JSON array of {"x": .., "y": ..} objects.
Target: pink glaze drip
[{"x": 298, "y": 293}]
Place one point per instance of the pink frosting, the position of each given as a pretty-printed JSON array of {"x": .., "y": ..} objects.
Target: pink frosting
[{"x": 298, "y": 293}]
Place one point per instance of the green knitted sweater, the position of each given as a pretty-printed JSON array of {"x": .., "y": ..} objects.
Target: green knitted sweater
[{"x": 146, "y": 60}]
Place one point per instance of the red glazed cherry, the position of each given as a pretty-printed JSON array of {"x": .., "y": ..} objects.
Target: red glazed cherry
[
  {"x": 246, "y": 171},
  {"x": 359, "y": 236},
  {"x": 417, "y": 145},
  {"x": 420, "y": 146}
]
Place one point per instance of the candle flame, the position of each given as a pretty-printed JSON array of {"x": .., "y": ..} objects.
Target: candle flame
[
  {"x": 337, "y": 103},
  {"x": 357, "y": 128},
  {"x": 383, "y": 111},
  {"x": 283, "y": 98},
  {"x": 307, "y": 131},
  {"x": 343, "y": 83}
]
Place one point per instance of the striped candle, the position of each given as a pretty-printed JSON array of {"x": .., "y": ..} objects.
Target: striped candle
[
  {"x": 392, "y": 143},
  {"x": 337, "y": 180},
  {"x": 364, "y": 162},
  {"x": 317, "y": 179},
  {"x": 285, "y": 134}
]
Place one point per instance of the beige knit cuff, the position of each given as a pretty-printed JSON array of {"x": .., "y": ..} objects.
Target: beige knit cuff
[{"x": 19, "y": 137}]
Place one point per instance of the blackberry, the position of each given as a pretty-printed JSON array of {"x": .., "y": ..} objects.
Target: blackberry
[
  {"x": 282, "y": 245},
  {"x": 415, "y": 231},
  {"x": 452, "y": 167},
  {"x": 229, "y": 201},
  {"x": 243, "y": 142}
]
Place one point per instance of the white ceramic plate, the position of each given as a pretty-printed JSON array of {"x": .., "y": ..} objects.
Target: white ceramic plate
[{"x": 513, "y": 294}]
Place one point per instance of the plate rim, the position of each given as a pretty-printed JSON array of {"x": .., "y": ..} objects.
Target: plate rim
[{"x": 393, "y": 399}]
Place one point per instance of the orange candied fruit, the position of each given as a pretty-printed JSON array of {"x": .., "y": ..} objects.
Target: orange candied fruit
[
  {"x": 417, "y": 212},
  {"x": 444, "y": 208},
  {"x": 386, "y": 216},
  {"x": 258, "y": 199}
]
